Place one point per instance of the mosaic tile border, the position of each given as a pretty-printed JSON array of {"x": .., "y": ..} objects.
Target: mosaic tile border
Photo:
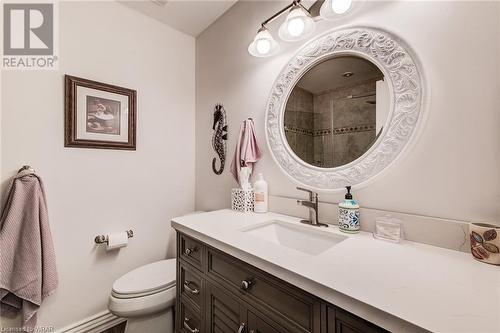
[
  {"x": 345, "y": 130},
  {"x": 298, "y": 130},
  {"x": 329, "y": 131}
]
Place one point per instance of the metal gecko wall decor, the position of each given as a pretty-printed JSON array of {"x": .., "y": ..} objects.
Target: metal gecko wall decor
[{"x": 219, "y": 137}]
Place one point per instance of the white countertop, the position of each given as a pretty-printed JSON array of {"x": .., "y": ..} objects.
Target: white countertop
[{"x": 402, "y": 287}]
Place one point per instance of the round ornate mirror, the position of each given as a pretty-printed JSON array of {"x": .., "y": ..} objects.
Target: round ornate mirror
[{"x": 344, "y": 108}]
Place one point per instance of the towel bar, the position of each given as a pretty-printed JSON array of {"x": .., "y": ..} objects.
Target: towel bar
[
  {"x": 101, "y": 239},
  {"x": 26, "y": 167}
]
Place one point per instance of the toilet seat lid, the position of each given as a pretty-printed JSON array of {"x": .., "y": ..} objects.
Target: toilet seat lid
[{"x": 149, "y": 278}]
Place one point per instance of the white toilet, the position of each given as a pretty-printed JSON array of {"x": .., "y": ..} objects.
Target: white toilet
[{"x": 145, "y": 296}]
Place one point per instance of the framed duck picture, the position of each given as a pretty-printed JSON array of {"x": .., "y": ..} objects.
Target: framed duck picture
[{"x": 99, "y": 115}]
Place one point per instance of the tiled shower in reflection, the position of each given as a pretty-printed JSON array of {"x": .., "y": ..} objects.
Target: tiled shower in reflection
[
  {"x": 299, "y": 123},
  {"x": 333, "y": 127}
]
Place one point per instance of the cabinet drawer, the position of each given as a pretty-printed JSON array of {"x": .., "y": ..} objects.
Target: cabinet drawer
[
  {"x": 190, "y": 283},
  {"x": 265, "y": 291},
  {"x": 190, "y": 319},
  {"x": 190, "y": 250}
]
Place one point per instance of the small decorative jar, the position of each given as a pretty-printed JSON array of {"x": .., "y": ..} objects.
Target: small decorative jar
[
  {"x": 242, "y": 200},
  {"x": 485, "y": 242}
]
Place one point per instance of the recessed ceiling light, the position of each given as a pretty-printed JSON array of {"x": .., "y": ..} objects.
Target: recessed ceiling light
[{"x": 347, "y": 74}]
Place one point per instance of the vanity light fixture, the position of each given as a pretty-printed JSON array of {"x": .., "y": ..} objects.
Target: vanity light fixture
[
  {"x": 297, "y": 26},
  {"x": 299, "y": 23}
]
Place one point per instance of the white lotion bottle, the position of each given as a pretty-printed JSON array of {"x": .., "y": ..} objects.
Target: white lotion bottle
[{"x": 261, "y": 195}]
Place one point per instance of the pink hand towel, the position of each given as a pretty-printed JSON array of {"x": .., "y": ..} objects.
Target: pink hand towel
[
  {"x": 247, "y": 151},
  {"x": 27, "y": 260}
]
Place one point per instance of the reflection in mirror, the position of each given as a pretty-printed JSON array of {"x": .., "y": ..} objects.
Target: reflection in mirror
[{"x": 336, "y": 111}]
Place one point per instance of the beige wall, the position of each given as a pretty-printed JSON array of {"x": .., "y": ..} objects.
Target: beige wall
[
  {"x": 451, "y": 171},
  {"x": 498, "y": 99},
  {"x": 91, "y": 191}
]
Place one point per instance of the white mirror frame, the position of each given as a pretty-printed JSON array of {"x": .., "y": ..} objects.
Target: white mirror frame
[{"x": 406, "y": 87}]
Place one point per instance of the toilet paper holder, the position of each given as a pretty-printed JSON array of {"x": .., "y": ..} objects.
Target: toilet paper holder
[{"x": 101, "y": 239}]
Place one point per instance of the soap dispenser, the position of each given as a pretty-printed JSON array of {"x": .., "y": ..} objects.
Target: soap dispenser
[
  {"x": 261, "y": 195},
  {"x": 349, "y": 213}
]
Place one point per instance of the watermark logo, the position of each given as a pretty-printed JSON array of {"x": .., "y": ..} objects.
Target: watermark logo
[{"x": 29, "y": 36}]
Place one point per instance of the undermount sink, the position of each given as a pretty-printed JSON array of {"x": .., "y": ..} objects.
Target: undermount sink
[{"x": 305, "y": 239}]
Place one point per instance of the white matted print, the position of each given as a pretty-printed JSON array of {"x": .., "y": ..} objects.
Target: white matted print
[{"x": 101, "y": 115}]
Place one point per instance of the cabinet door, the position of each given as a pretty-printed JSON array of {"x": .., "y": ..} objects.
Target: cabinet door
[
  {"x": 340, "y": 321},
  {"x": 258, "y": 323},
  {"x": 224, "y": 314}
]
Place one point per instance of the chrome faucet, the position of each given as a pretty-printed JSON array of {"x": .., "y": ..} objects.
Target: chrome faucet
[{"x": 312, "y": 204}]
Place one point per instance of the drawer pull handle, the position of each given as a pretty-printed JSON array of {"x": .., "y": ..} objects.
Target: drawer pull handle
[
  {"x": 188, "y": 251},
  {"x": 242, "y": 328},
  {"x": 246, "y": 284},
  {"x": 192, "y": 291},
  {"x": 186, "y": 326}
]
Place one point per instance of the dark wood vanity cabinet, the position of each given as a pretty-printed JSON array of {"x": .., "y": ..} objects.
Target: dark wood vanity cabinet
[{"x": 217, "y": 293}]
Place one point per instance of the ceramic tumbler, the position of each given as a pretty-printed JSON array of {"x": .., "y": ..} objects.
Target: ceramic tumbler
[{"x": 485, "y": 242}]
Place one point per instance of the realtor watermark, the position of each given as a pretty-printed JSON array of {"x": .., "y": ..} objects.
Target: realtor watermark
[{"x": 30, "y": 34}]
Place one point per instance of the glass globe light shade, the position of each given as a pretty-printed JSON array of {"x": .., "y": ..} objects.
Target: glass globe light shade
[
  {"x": 334, "y": 9},
  {"x": 341, "y": 6},
  {"x": 298, "y": 25},
  {"x": 263, "y": 45}
]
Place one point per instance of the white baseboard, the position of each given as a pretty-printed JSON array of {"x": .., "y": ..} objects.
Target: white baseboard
[{"x": 93, "y": 324}]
